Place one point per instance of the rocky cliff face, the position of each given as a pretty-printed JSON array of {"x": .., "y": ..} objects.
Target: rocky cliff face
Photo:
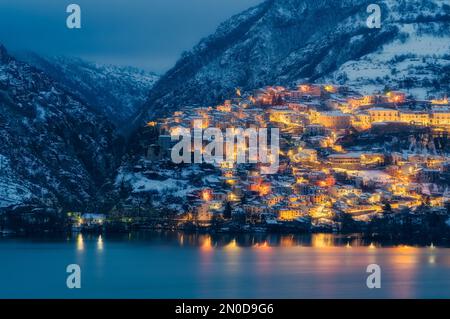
[
  {"x": 55, "y": 150},
  {"x": 284, "y": 41}
]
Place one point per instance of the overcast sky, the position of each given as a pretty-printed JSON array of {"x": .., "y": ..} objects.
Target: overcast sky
[{"x": 146, "y": 33}]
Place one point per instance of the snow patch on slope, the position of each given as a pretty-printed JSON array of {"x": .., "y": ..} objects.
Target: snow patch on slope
[
  {"x": 12, "y": 190},
  {"x": 410, "y": 62}
]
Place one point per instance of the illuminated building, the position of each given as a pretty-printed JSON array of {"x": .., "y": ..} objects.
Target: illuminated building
[
  {"x": 396, "y": 97},
  {"x": 334, "y": 120},
  {"x": 310, "y": 182},
  {"x": 362, "y": 121},
  {"x": 348, "y": 159},
  {"x": 412, "y": 117},
  {"x": 305, "y": 155},
  {"x": 310, "y": 89},
  {"x": 440, "y": 117},
  {"x": 285, "y": 116},
  {"x": 355, "y": 103},
  {"x": 330, "y": 88},
  {"x": 379, "y": 114},
  {"x": 356, "y": 160},
  {"x": 288, "y": 214},
  {"x": 443, "y": 101}
]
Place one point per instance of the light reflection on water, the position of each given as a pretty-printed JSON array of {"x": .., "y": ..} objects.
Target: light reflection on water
[{"x": 181, "y": 265}]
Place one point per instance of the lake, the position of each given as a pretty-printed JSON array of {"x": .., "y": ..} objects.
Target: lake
[{"x": 180, "y": 265}]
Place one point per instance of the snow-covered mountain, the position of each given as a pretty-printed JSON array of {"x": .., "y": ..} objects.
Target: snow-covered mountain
[
  {"x": 54, "y": 150},
  {"x": 285, "y": 41},
  {"x": 416, "y": 61},
  {"x": 58, "y": 145},
  {"x": 114, "y": 91}
]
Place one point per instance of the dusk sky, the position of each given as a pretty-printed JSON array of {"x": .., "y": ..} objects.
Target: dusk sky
[{"x": 146, "y": 33}]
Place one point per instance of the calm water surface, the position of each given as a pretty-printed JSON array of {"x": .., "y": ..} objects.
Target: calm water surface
[{"x": 177, "y": 265}]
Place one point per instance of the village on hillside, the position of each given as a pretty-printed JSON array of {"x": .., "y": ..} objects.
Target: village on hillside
[
  {"x": 345, "y": 159},
  {"x": 347, "y": 163}
]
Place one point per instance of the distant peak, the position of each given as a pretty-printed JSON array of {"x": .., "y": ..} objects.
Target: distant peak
[{"x": 4, "y": 56}]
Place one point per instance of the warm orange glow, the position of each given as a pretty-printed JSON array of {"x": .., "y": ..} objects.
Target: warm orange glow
[
  {"x": 232, "y": 245},
  {"x": 442, "y": 101},
  {"x": 330, "y": 89},
  {"x": 328, "y": 182},
  {"x": 206, "y": 195},
  {"x": 263, "y": 246},
  {"x": 365, "y": 100},
  {"x": 227, "y": 164},
  {"x": 288, "y": 214},
  {"x": 322, "y": 240},
  {"x": 305, "y": 88},
  {"x": 287, "y": 241},
  {"x": 177, "y": 130},
  {"x": 228, "y": 174},
  {"x": 395, "y": 97},
  {"x": 321, "y": 183},
  {"x": 264, "y": 190},
  {"x": 405, "y": 248},
  {"x": 224, "y": 108},
  {"x": 206, "y": 245},
  {"x": 233, "y": 197},
  {"x": 80, "y": 242},
  {"x": 307, "y": 129}
]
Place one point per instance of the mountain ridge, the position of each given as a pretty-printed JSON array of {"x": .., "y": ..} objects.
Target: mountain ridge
[
  {"x": 116, "y": 92},
  {"x": 282, "y": 42},
  {"x": 55, "y": 151}
]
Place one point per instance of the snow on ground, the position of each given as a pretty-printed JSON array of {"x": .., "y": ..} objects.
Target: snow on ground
[
  {"x": 11, "y": 192},
  {"x": 140, "y": 183},
  {"x": 175, "y": 187},
  {"x": 372, "y": 175},
  {"x": 417, "y": 43},
  {"x": 415, "y": 56}
]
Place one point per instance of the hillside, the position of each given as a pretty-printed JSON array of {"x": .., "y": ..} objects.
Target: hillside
[{"x": 288, "y": 41}]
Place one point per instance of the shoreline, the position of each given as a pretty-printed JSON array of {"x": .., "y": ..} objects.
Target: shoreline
[{"x": 337, "y": 239}]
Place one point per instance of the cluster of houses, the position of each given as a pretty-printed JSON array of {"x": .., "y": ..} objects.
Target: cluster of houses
[
  {"x": 326, "y": 167},
  {"x": 88, "y": 222}
]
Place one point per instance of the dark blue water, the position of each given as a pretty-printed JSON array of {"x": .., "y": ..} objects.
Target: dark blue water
[{"x": 177, "y": 265}]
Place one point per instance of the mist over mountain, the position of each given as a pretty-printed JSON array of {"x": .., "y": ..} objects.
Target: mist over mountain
[
  {"x": 286, "y": 41},
  {"x": 55, "y": 150},
  {"x": 114, "y": 91}
]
